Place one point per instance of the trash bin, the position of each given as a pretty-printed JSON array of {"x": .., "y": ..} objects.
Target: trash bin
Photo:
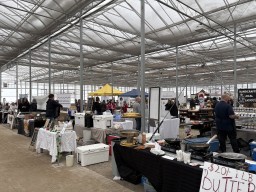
[
  {"x": 69, "y": 160},
  {"x": 20, "y": 126}
]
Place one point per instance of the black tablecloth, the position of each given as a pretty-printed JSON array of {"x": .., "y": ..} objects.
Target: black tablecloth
[
  {"x": 37, "y": 123},
  {"x": 165, "y": 175}
]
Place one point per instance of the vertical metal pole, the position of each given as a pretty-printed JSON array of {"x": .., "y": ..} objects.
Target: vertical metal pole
[
  {"x": 112, "y": 82},
  {"x": 17, "y": 83},
  {"x": 25, "y": 87},
  {"x": 63, "y": 81},
  {"x": 37, "y": 87},
  {"x": 221, "y": 88},
  {"x": 142, "y": 65},
  {"x": 138, "y": 82},
  {"x": 0, "y": 84},
  {"x": 235, "y": 72},
  {"x": 30, "y": 78},
  {"x": 81, "y": 65},
  {"x": 53, "y": 83},
  {"x": 177, "y": 59},
  {"x": 186, "y": 84},
  {"x": 247, "y": 76},
  {"x": 50, "y": 65}
]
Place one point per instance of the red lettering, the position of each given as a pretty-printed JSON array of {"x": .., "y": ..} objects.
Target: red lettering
[
  {"x": 232, "y": 181},
  {"x": 251, "y": 187},
  {"x": 223, "y": 172},
  {"x": 228, "y": 171},
  {"x": 206, "y": 181},
  {"x": 238, "y": 189},
  {"x": 227, "y": 178},
  {"x": 215, "y": 190},
  {"x": 236, "y": 174},
  {"x": 250, "y": 178},
  {"x": 217, "y": 170},
  {"x": 210, "y": 168},
  {"x": 243, "y": 177}
]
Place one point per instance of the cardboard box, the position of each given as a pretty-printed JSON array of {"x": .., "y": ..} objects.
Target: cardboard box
[{"x": 92, "y": 154}]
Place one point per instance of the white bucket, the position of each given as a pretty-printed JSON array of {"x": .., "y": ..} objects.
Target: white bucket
[{"x": 69, "y": 160}]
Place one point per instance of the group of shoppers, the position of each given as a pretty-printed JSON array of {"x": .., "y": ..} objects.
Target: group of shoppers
[{"x": 25, "y": 106}]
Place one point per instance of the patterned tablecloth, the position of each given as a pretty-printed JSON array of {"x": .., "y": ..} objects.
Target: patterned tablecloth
[{"x": 48, "y": 140}]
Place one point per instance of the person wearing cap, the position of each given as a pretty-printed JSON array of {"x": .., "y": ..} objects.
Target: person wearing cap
[{"x": 225, "y": 123}]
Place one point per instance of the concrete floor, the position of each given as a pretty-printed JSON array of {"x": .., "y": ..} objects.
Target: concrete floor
[{"x": 23, "y": 170}]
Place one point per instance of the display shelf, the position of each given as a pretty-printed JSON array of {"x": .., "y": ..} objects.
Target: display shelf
[{"x": 247, "y": 117}]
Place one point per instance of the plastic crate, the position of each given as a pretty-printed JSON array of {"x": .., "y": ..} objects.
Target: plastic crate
[{"x": 252, "y": 147}]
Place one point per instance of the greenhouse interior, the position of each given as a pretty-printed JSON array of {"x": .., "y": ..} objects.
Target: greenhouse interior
[{"x": 164, "y": 89}]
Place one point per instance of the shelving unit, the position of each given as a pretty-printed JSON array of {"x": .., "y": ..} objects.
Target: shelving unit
[{"x": 247, "y": 117}]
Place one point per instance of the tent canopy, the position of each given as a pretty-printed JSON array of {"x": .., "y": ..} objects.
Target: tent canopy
[
  {"x": 106, "y": 90},
  {"x": 132, "y": 93}
]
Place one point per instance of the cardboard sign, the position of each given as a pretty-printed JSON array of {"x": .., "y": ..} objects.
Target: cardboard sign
[
  {"x": 246, "y": 96},
  {"x": 217, "y": 178}
]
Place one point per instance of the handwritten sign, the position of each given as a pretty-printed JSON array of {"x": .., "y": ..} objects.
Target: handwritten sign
[
  {"x": 246, "y": 96},
  {"x": 217, "y": 178}
]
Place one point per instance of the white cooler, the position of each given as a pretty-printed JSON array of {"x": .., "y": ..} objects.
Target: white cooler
[
  {"x": 92, "y": 154},
  {"x": 80, "y": 119},
  {"x": 102, "y": 121}
]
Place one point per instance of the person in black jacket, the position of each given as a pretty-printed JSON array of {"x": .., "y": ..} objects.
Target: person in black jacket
[
  {"x": 51, "y": 107},
  {"x": 24, "y": 105},
  {"x": 97, "y": 107},
  {"x": 172, "y": 107},
  {"x": 33, "y": 105}
]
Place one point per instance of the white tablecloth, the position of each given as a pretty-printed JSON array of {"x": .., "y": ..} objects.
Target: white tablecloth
[
  {"x": 125, "y": 125},
  {"x": 47, "y": 140},
  {"x": 169, "y": 128}
]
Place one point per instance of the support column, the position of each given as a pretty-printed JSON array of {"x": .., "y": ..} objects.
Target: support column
[
  {"x": 0, "y": 84},
  {"x": 247, "y": 75},
  {"x": 81, "y": 71},
  {"x": 63, "y": 81},
  {"x": 17, "y": 84},
  {"x": 138, "y": 81},
  {"x": 186, "y": 84},
  {"x": 30, "y": 78},
  {"x": 50, "y": 65},
  {"x": 112, "y": 82},
  {"x": 235, "y": 71},
  {"x": 177, "y": 58},
  {"x": 142, "y": 65}
]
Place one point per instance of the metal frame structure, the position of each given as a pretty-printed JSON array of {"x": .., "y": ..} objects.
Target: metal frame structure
[{"x": 91, "y": 40}]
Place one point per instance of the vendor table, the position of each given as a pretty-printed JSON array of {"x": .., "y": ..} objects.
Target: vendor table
[
  {"x": 169, "y": 128},
  {"x": 125, "y": 125},
  {"x": 99, "y": 134},
  {"x": 48, "y": 140},
  {"x": 246, "y": 134},
  {"x": 164, "y": 174}
]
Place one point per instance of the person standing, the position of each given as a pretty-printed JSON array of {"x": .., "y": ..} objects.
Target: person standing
[
  {"x": 137, "y": 109},
  {"x": 174, "y": 109},
  {"x": 33, "y": 105},
  {"x": 51, "y": 107},
  {"x": 24, "y": 105},
  {"x": 96, "y": 107},
  {"x": 124, "y": 107},
  {"x": 225, "y": 122}
]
